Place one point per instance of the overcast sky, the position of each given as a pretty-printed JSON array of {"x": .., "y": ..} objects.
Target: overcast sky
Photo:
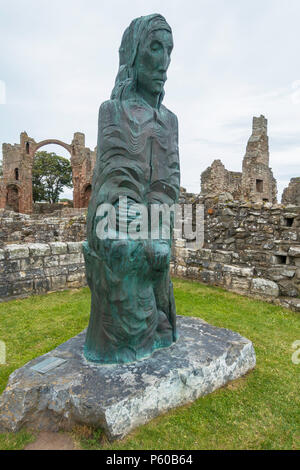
[{"x": 232, "y": 60}]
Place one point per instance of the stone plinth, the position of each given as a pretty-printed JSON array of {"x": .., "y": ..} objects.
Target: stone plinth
[{"x": 122, "y": 397}]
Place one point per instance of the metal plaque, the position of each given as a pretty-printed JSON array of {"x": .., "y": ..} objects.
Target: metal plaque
[{"x": 48, "y": 364}]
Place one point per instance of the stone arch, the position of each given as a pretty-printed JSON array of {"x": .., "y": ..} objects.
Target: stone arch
[
  {"x": 21, "y": 157},
  {"x": 34, "y": 148},
  {"x": 86, "y": 194}
]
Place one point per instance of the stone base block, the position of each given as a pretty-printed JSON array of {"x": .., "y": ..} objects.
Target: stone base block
[{"x": 121, "y": 397}]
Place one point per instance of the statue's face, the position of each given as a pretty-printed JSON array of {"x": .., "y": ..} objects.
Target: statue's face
[{"x": 153, "y": 60}]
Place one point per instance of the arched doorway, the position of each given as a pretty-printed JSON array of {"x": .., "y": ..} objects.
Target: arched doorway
[
  {"x": 49, "y": 169},
  {"x": 86, "y": 195},
  {"x": 12, "y": 198},
  {"x": 18, "y": 162}
]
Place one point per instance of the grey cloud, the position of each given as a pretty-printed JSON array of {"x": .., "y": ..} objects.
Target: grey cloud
[{"x": 60, "y": 59}]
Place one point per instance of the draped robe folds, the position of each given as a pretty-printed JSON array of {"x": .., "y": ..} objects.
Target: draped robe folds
[{"x": 132, "y": 309}]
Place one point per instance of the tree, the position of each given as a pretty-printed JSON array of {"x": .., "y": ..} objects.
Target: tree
[{"x": 50, "y": 174}]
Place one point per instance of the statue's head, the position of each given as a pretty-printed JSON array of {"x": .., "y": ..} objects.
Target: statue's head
[{"x": 144, "y": 58}]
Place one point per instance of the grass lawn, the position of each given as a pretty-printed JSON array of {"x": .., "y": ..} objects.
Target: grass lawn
[{"x": 258, "y": 411}]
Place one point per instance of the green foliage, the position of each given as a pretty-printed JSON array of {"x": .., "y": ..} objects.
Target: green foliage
[
  {"x": 50, "y": 174},
  {"x": 258, "y": 411}
]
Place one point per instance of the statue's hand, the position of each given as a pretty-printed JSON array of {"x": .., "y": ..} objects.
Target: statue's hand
[
  {"x": 158, "y": 253},
  {"x": 126, "y": 256}
]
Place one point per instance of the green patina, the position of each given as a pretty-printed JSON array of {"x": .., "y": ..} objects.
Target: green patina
[{"x": 132, "y": 308}]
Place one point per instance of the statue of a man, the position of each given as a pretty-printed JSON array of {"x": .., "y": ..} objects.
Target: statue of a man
[{"x": 133, "y": 310}]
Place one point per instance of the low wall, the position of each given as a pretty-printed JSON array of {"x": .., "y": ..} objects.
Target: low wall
[
  {"x": 252, "y": 249},
  {"x": 68, "y": 225},
  {"x": 36, "y": 268},
  {"x": 49, "y": 208},
  {"x": 222, "y": 268}
]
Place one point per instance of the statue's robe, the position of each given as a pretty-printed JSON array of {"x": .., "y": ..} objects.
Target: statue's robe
[{"x": 133, "y": 309}]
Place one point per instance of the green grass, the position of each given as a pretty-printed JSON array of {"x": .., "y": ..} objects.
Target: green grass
[{"x": 258, "y": 411}]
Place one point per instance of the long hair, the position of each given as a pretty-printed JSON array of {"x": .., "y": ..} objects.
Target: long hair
[{"x": 137, "y": 31}]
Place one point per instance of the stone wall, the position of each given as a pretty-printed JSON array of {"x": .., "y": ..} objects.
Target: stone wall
[
  {"x": 216, "y": 180},
  {"x": 50, "y": 208},
  {"x": 67, "y": 225},
  {"x": 37, "y": 268},
  {"x": 252, "y": 249},
  {"x": 256, "y": 182},
  {"x": 291, "y": 194}
]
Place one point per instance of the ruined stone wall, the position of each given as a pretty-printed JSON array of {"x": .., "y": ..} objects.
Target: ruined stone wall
[
  {"x": 216, "y": 180},
  {"x": 36, "y": 268},
  {"x": 49, "y": 208},
  {"x": 83, "y": 161},
  {"x": 291, "y": 194},
  {"x": 66, "y": 225},
  {"x": 256, "y": 182},
  {"x": 252, "y": 249},
  {"x": 16, "y": 183}
]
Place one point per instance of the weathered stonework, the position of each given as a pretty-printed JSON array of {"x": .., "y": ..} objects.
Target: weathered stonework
[
  {"x": 16, "y": 183},
  {"x": 255, "y": 183},
  {"x": 291, "y": 194},
  {"x": 67, "y": 225},
  {"x": 216, "y": 180},
  {"x": 252, "y": 249},
  {"x": 37, "y": 268},
  {"x": 244, "y": 243},
  {"x": 258, "y": 183}
]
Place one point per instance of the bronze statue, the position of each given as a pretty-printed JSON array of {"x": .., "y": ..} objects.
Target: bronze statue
[{"x": 133, "y": 309}]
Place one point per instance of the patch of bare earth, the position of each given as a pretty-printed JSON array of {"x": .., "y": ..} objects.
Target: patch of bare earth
[{"x": 52, "y": 441}]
